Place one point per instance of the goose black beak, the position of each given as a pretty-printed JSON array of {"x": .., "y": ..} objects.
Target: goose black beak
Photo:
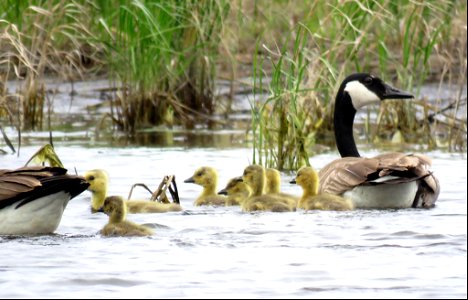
[
  {"x": 393, "y": 93},
  {"x": 222, "y": 192},
  {"x": 293, "y": 181}
]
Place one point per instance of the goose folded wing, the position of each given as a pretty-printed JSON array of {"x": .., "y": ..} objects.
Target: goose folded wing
[
  {"x": 390, "y": 168},
  {"x": 26, "y": 184}
]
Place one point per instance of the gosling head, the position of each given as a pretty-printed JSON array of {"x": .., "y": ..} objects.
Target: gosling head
[
  {"x": 98, "y": 182},
  {"x": 204, "y": 176},
  {"x": 364, "y": 89},
  {"x": 308, "y": 179},
  {"x": 254, "y": 176},
  {"x": 97, "y": 179},
  {"x": 235, "y": 186},
  {"x": 115, "y": 208}
]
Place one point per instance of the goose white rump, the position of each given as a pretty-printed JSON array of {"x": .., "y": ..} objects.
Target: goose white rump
[{"x": 42, "y": 215}]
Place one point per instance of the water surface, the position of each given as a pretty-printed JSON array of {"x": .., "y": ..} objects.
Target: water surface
[{"x": 207, "y": 252}]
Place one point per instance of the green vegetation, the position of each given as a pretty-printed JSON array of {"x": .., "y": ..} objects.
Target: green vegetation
[
  {"x": 164, "y": 56},
  {"x": 402, "y": 41}
]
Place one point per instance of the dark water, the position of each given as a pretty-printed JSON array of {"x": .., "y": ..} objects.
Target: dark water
[{"x": 206, "y": 252}]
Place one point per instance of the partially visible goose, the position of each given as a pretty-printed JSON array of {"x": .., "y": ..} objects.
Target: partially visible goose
[
  {"x": 308, "y": 179},
  {"x": 98, "y": 184},
  {"x": 207, "y": 177},
  {"x": 33, "y": 199},
  {"x": 236, "y": 191},
  {"x": 254, "y": 176},
  {"x": 115, "y": 208},
  {"x": 391, "y": 180}
]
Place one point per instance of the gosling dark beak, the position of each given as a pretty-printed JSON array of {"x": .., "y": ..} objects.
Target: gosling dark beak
[
  {"x": 189, "y": 180},
  {"x": 293, "y": 181},
  {"x": 222, "y": 192},
  {"x": 238, "y": 179},
  {"x": 393, "y": 93},
  {"x": 93, "y": 210}
]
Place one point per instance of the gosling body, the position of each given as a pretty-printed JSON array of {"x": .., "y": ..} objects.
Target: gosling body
[
  {"x": 116, "y": 209},
  {"x": 254, "y": 176},
  {"x": 207, "y": 177},
  {"x": 308, "y": 179},
  {"x": 98, "y": 185},
  {"x": 236, "y": 191},
  {"x": 273, "y": 185}
]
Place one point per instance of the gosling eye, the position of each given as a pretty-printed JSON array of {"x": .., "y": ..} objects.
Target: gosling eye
[{"x": 91, "y": 178}]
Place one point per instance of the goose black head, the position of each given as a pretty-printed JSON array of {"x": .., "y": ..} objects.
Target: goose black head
[{"x": 364, "y": 89}]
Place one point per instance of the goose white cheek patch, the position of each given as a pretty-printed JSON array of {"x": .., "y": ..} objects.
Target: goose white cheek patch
[{"x": 360, "y": 94}]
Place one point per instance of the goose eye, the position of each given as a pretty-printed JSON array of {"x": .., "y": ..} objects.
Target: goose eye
[
  {"x": 367, "y": 80},
  {"x": 91, "y": 177}
]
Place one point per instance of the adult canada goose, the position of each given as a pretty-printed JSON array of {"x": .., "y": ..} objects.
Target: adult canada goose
[
  {"x": 236, "y": 191},
  {"x": 391, "y": 180},
  {"x": 115, "y": 208},
  {"x": 254, "y": 176},
  {"x": 32, "y": 199},
  {"x": 308, "y": 179},
  {"x": 207, "y": 177},
  {"x": 98, "y": 184}
]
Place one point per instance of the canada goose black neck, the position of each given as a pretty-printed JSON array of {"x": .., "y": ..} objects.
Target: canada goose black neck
[
  {"x": 358, "y": 90},
  {"x": 343, "y": 121}
]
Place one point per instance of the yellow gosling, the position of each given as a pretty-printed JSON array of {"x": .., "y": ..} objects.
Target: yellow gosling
[
  {"x": 116, "y": 209},
  {"x": 207, "y": 177},
  {"x": 254, "y": 176},
  {"x": 273, "y": 181},
  {"x": 98, "y": 184},
  {"x": 236, "y": 191},
  {"x": 273, "y": 184},
  {"x": 308, "y": 179}
]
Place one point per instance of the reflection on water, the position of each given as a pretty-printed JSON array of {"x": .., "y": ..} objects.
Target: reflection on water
[{"x": 207, "y": 252}]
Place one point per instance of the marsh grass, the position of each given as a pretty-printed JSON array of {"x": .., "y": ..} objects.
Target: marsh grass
[
  {"x": 163, "y": 53},
  {"x": 37, "y": 41},
  {"x": 399, "y": 41},
  {"x": 284, "y": 124},
  {"x": 163, "y": 58}
]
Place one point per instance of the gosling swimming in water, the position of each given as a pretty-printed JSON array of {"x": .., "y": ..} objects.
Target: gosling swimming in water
[
  {"x": 116, "y": 209},
  {"x": 273, "y": 184},
  {"x": 236, "y": 191},
  {"x": 308, "y": 179},
  {"x": 207, "y": 177},
  {"x": 254, "y": 176},
  {"x": 98, "y": 184}
]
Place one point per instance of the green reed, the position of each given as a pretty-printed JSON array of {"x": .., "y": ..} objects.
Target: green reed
[
  {"x": 395, "y": 40},
  {"x": 281, "y": 132},
  {"x": 163, "y": 55},
  {"x": 36, "y": 41}
]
